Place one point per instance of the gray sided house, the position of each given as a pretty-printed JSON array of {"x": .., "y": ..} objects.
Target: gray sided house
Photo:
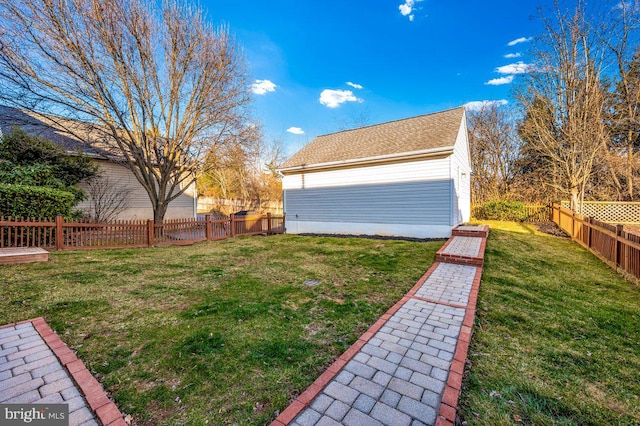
[
  {"x": 116, "y": 182},
  {"x": 408, "y": 178}
]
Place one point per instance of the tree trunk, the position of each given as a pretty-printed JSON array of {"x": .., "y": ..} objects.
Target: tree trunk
[
  {"x": 574, "y": 199},
  {"x": 159, "y": 210},
  {"x": 630, "y": 169}
]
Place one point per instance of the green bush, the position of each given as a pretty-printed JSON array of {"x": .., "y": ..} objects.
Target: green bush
[
  {"x": 514, "y": 211},
  {"x": 34, "y": 201},
  {"x": 22, "y": 149},
  {"x": 36, "y": 175},
  {"x": 33, "y": 161}
]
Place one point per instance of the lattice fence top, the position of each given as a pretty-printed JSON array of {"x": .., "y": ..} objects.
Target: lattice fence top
[{"x": 610, "y": 211}]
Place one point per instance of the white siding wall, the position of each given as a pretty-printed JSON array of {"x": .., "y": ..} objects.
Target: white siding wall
[
  {"x": 138, "y": 204},
  {"x": 461, "y": 175},
  {"x": 433, "y": 169},
  {"x": 411, "y": 199}
]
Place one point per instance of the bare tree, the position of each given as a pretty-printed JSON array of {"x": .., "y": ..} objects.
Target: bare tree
[
  {"x": 107, "y": 198},
  {"x": 620, "y": 34},
  {"x": 564, "y": 101},
  {"x": 157, "y": 83},
  {"x": 245, "y": 171},
  {"x": 494, "y": 145},
  {"x": 353, "y": 120}
]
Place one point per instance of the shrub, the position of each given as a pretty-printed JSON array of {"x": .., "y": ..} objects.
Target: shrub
[
  {"x": 34, "y": 201},
  {"x": 502, "y": 210},
  {"x": 34, "y": 161}
]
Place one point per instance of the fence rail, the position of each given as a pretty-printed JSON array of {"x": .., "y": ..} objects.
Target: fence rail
[
  {"x": 74, "y": 234},
  {"x": 617, "y": 248}
]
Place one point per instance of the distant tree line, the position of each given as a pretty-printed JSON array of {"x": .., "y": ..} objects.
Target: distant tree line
[
  {"x": 574, "y": 132},
  {"x": 244, "y": 170}
]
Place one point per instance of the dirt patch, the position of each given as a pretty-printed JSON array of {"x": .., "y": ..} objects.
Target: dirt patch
[{"x": 551, "y": 228}]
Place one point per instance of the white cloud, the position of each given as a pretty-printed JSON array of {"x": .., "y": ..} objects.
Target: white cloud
[
  {"x": 295, "y": 130},
  {"x": 261, "y": 87},
  {"x": 354, "y": 85},
  {"x": 500, "y": 81},
  {"x": 519, "y": 40},
  {"x": 334, "y": 98},
  {"x": 479, "y": 105},
  {"x": 513, "y": 55},
  {"x": 517, "y": 68},
  {"x": 407, "y": 8}
]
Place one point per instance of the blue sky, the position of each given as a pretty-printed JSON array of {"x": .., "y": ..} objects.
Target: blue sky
[{"x": 319, "y": 66}]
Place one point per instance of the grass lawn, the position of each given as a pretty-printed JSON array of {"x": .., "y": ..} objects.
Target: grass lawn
[
  {"x": 219, "y": 332},
  {"x": 557, "y": 336}
]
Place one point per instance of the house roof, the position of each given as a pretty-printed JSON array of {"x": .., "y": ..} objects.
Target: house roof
[
  {"x": 72, "y": 135},
  {"x": 410, "y": 137}
]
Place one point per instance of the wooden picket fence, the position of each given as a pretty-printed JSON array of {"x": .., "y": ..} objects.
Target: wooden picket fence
[
  {"x": 617, "y": 248},
  {"x": 73, "y": 234}
]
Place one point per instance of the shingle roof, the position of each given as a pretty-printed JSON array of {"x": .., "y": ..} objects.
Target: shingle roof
[
  {"x": 422, "y": 133},
  {"x": 89, "y": 139}
]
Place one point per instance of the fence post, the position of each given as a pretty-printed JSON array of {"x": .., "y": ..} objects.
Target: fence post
[
  {"x": 284, "y": 227},
  {"x": 588, "y": 224},
  {"x": 59, "y": 233},
  {"x": 233, "y": 225},
  {"x": 619, "y": 256},
  {"x": 207, "y": 227},
  {"x": 268, "y": 223},
  {"x": 573, "y": 224},
  {"x": 150, "y": 232}
]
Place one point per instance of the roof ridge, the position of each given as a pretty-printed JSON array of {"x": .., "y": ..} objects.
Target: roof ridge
[{"x": 391, "y": 121}]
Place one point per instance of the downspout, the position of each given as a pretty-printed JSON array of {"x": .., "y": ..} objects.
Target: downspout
[{"x": 452, "y": 189}]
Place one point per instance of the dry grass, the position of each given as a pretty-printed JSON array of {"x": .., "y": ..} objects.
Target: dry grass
[
  {"x": 557, "y": 336},
  {"x": 223, "y": 332}
]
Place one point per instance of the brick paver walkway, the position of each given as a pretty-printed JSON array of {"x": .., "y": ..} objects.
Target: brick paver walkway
[
  {"x": 407, "y": 369},
  {"x": 449, "y": 283},
  {"x": 30, "y": 373},
  {"x": 36, "y": 367},
  {"x": 463, "y": 246}
]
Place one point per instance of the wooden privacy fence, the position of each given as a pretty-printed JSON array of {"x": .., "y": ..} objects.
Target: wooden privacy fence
[
  {"x": 74, "y": 234},
  {"x": 230, "y": 205},
  {"x": 617, "y": 248}
]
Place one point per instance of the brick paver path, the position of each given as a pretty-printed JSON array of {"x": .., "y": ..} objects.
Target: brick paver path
[
  {"x": 407, "y": 370},
  {"x": 463, "y": 246},
  {"x": 36, "y": 367},
  {"x": 449, "y": 283},
  {"x": 30, "y": 373}
]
